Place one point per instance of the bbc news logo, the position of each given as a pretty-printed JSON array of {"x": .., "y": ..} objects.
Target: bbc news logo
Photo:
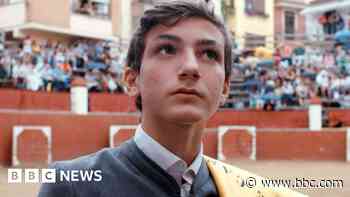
[{"x": 34, "y": 175}]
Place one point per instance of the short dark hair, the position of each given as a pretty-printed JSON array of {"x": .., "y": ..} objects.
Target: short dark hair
[{"x": 168, "y": 14}]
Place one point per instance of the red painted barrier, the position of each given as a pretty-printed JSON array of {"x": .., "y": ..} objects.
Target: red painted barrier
[
  {"x": 301, "y": 145},
  {"x": 261, "y": 119},
  {"x": 72, "y": 135},
  {"x": 210, "y": 143},
  {"x": 29, "y": 100},
  {"x": 122, "y": 135},
  {"x": 339, "y": 116},
  {"x": 104, "y": 102},
  {"x": 33, "y": 147},
  {"x": 237, "y": 144},
  {"x": 22, "y": 99}
]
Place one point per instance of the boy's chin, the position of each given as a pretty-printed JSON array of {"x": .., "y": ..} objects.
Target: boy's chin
[{"x": 188, "y": 116}]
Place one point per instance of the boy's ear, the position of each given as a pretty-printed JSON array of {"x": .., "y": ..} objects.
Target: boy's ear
[
  {"x": 225, "y": 91},
  {"x": 131, "y": 77}
]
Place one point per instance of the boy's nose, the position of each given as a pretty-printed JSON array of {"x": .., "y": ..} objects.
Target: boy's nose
[{"x": 189, "y": 67}]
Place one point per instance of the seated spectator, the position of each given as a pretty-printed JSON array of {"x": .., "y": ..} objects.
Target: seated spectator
[
  {"x": 51, "y": 64},
  {"x": 19, "y": 75},
  {"x": 48, "y": 76},
  {"x": 93, "y": 9},
  {"x": 59, "y": 56},
  {"x": 269, "y": 106},
  {"x": 27, "y": 45},
  {"x": 302, "y": 91},
  {"x": 287, "y": 97},
  {"x": 61, "y": 79},
  {"x": 255, "y": 101},
  {"x": 323, "y": 82},
  {"x": 66, "y": 67},
  {"x": 328, "y": 59},
  {"x": 346, "y": 99},
  {"x": 2, "y": 47},
  {"x": 291, "y": 74},
  {"x": 3, "y": 72},
  {"x": 85, "y": 7},
  {"x": 112, "y": 83},
  {"x": 36, "y": 48},
  {"x": 26, "y": 75},
  {"x": 93, "y": 79},
  {"x": 33, "y": 79}
]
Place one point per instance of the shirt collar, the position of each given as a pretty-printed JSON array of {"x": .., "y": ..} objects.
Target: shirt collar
[{"x": 167, "y": 160}]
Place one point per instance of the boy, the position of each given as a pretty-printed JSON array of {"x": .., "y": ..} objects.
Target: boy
[{"x": 179, "y": 65}]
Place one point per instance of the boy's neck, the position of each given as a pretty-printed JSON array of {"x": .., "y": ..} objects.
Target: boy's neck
[{"x": 182, "y": 140}]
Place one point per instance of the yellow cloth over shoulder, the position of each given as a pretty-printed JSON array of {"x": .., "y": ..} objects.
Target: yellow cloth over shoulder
[{"x": 234, "y": 182}]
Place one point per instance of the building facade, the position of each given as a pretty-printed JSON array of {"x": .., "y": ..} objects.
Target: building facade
[
  {"x": 63, "y": 19},
  {"x": 251, "y": 22},
  {"x": 289, "y": 24},
  {"x": 326, "y": 18},
  {"x": 139, "y": 6}
]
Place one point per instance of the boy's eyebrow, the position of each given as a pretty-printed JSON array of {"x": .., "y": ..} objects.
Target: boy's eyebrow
[
  {"x": 169, "y": 37},
  {"x": 203, "y": 42},
  {"x": 209, "y": 42}
]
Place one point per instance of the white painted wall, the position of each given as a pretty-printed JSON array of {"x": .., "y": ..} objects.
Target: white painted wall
[
  {"x": 218, "y": 7},
  {"x": 90, "y": 25},
  {"x": 126, "y": 20},
  {"x": 12, "y": 15}
]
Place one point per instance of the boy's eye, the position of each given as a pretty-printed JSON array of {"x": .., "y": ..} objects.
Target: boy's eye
[
  {"x": 211, "y": 55},
  {"x": 167, "y": 50}
]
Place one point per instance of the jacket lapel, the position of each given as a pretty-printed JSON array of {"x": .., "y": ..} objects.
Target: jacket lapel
[
  {"x": 225, "y": 184},
  {"x": 230, "y": 182}
]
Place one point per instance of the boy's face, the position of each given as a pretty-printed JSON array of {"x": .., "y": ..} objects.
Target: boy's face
[{"x": 182, "y": 77}]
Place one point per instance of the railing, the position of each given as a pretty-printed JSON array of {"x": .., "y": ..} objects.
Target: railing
[{"x": 305, "y": 38}]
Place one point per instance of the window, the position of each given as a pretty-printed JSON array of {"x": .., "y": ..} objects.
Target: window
[
  {"x": 138, "y": 8},
  {"x": 7, "y": 2},
  {"x": 97, "y": 8},
  {"x": 229, "y": 3},
  {"x": 259, "y": 6},
  {"x": 2, "y": 36},
  {"x": 255, "y": 7},
  {"x": 146, "y": 1},
  {"x": 3, "y": 2},
  {"x": 254, "y": 40},
  {"x": 289, "y": 24},
  {"x": 228, "y": 7},
  {"x": 332, "y": 22}
]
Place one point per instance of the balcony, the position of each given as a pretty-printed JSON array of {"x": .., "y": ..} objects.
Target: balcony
[
  {"x": 92, "y": 17},
  {"x": 63, "y": 17},
  {"x": 90, "y": 25},
  {"x": 12, "y": 14}
]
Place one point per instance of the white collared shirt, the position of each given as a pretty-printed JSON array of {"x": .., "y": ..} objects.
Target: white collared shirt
[{"x": 168, "y": 161}]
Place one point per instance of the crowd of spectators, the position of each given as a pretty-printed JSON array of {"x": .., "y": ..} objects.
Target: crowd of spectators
[
  {"x": 292, "y": 81},
  {"x": 261, "y": 83},
  {"x": 51, "y": 65}
]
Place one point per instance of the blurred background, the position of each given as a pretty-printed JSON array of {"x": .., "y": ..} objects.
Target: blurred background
[{"x": 288, "y": 112}]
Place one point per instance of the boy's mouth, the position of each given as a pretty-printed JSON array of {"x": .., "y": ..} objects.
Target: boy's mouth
[{"x": 188, "y": 91}]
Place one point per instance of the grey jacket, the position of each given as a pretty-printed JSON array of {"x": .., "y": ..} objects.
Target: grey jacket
[{"x": 125, "y": 172}]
